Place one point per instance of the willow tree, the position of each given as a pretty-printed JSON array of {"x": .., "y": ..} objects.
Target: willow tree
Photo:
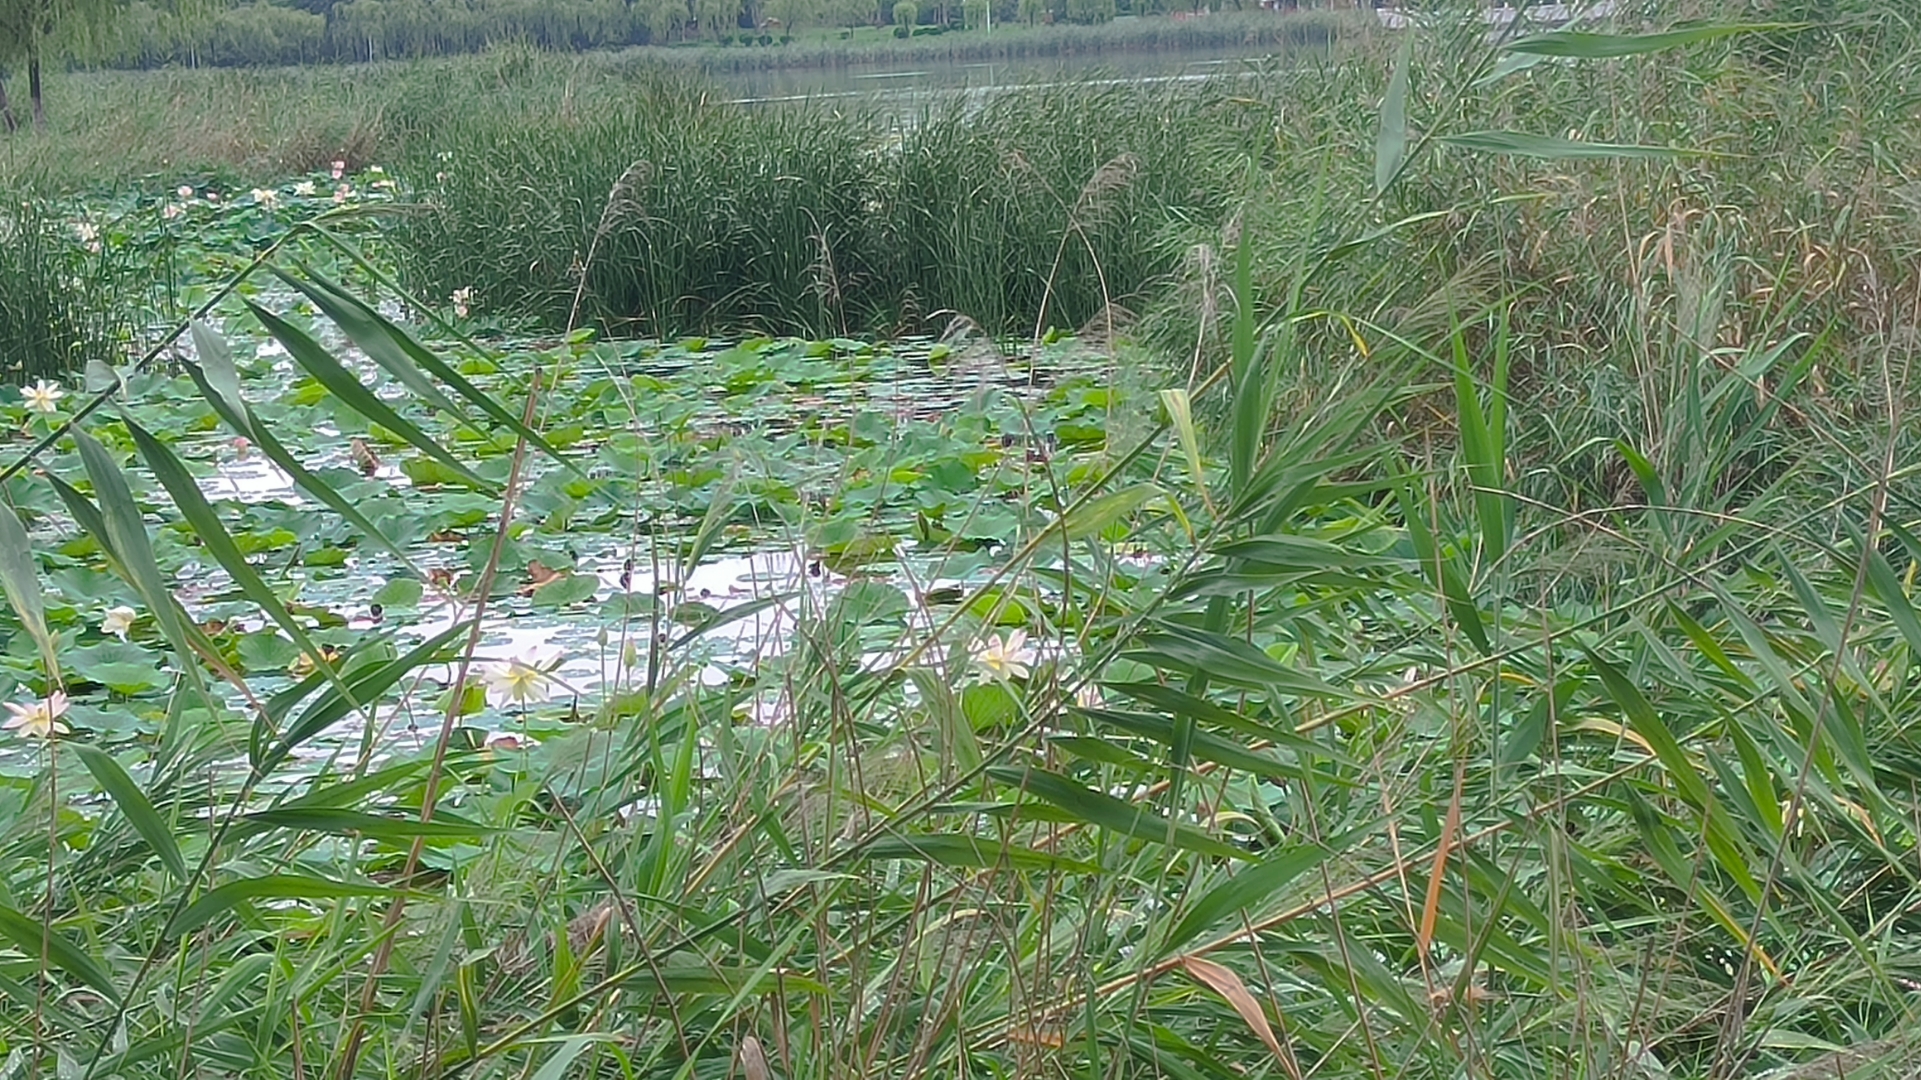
[
  {"x": 30, "y": 30},
  {"x": 13, "y": 40}
]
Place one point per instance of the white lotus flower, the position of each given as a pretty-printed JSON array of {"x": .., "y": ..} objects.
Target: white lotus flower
[
  {"x": 266, "y": 197},
  {"x": 185, "y": 193},
  {"x": 118, "y": 621},
  {"x": 40, "y": 720},
  {"x": 462, "y": 298},
  {"x": 1005, "y": 657},
  {"x": 43, "y": 396},
  {"x": 520, "y": 681},
  {"x": 305, "y": 189}
]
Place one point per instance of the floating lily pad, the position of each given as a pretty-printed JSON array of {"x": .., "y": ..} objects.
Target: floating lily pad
[
  {"x": 118, "y": 666},
  {"x": 570, "y": 589}
]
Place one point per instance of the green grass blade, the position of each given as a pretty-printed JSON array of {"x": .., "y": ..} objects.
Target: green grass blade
[
  {"x": 1886, "y": 587},
  {"x": 342, "y": 384},
  {"x": 338, "y": 822},
  {"x": 404, "y": 357},
  {"x": 1094, "y": 517},
  {"x": 33, "y": 938},
  {"x": 359, "y": 689},
  {"x": 1228, "y": 659},
  {"x": 1181, "y": 703},
  {"x": 199, "y": 514},
  {"x": 240, "y": 419},
  {"x": 1442, "y": 572},
  {"x": 1245, "y": 890},
  {"x": 125, "y": 526},
  {"x": 947, "y": 849},
  {"x": 1554, "y": 148},
  {"x": 20, "y": 577},
  {"x": 1200, "y": 745},
  {"x": 135, "y": 806},
  {"x": 555, "y": 1067},
  {"x": 1180, "y": 416},
  {"x": 213, "y": 903},
  {"x": 1580, "y": 45},
  {"x": 1108, "y": 812},
  {"x": 1390, "y": 146}
]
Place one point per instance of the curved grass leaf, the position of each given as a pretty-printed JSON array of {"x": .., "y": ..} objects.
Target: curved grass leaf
[
  {"x": 135, "y": 805},
  {"x": 198, "y": 513},
  {"x": 403, "y": 356},
  {"x": 20, "y": 576},
  {"x": 1581, "y": 45},
  {"x": 1098, "y": 808},
  {"x": 1228, "y": 659},
  {"x": 555, "y": 1067},
  {"x": 1442, "y": 571},
  {"x": 1247, "y": 889},
  {"x": 340, "y": 822},
  {"x": 1180, "y": 416},
  {"x": 213, "y": 903},
  {"x": 716, "y": 979},
  {"x": 1554, "y": 148},
  {"x": 1093, "y": 518},
  {"x": 342, "y": 384},
  {"x": 210, "y": 376},
  {"x": 354, "y": 693},
  {"x": 1723, "y": 841},
  {"x": 34, "y": 938},
  {"x": 718, "y": 618},
  {"x": 949, "y": 849},
  {"x": 1182, "y": 703},
  {"x": 127, "y": 535},
  {"x": 1283, "y": 551},
  {"x": 1200, "y": 745},
  {"x": 1390, "y": 146}
]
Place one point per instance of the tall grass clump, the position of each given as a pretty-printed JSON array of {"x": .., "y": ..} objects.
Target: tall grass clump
[
  {"x": 1634, "y": 280},
  {"x": 64, "y": 294},
  {"x": 1040, "y": 205}
]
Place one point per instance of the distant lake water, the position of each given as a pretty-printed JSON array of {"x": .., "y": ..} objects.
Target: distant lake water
[{"x": 908, "y": 87}]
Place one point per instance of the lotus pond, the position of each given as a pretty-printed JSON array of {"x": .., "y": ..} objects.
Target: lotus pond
[
  {"x": 700, "y": 499},
  {"x": 399, "y": 690}
]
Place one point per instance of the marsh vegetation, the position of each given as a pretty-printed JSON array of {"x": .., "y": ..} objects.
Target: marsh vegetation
[{"x": 1402, "y": 566}]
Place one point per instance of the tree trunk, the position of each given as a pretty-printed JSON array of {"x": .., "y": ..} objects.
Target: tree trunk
[
  {"x": 33, "y": 81},
  {"x": 6, "y": 107}
]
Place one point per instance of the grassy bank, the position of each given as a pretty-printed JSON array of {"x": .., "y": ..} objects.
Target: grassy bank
[{"x": 263, "y": 124}]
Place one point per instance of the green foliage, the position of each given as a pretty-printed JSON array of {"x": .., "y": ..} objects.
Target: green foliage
[
  {"x": 62, "y": 291},
  {"x": 1041, "y": 205},
  {"x": 975, "y": 13},
  {"x": 1090, "y": 11},
  {"x": 1491, "y": 654},
  {"x": 905, "y": 13}
]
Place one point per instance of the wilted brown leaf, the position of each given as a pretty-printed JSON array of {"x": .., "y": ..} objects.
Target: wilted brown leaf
[{"x": 1229, "y": 985}]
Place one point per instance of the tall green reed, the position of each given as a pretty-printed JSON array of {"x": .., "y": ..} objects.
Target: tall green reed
[
  {"x": 1029, "y": 205},
  {"x": 64, "y": 291}
]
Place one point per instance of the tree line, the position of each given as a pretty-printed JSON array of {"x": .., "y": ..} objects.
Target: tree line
[{"x": 194, "y": 33}]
